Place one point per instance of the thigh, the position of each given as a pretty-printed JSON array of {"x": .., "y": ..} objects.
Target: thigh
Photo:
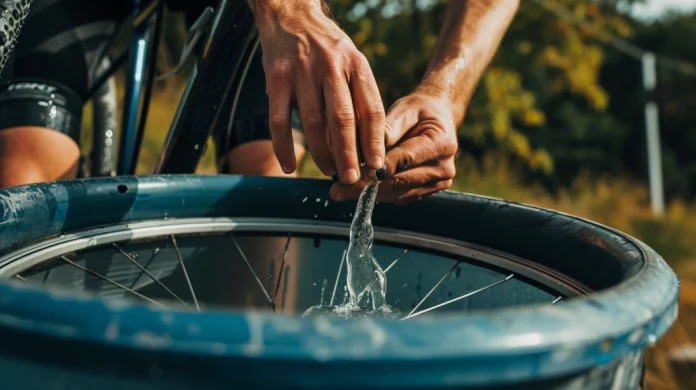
[{"x": 41, "y": 92}]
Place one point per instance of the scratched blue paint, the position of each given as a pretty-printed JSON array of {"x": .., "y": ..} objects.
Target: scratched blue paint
[{"x": 260, "y": 349}]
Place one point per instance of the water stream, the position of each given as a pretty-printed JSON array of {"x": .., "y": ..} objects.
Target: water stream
[{"x": 366, "y": 281}]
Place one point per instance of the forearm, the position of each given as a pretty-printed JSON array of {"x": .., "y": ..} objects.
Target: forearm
[{"x": 470, "y": 35}]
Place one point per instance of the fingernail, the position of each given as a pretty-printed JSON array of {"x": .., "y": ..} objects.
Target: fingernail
[
  {"x": 351, "y": 176},
  {"x": 286, "y": 169},
  {"x": 376, "y": 162}
]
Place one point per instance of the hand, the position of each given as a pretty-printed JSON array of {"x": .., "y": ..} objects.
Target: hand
[
  {"x": 423, "y": 139},
  {"x": 311, "y": 63}
]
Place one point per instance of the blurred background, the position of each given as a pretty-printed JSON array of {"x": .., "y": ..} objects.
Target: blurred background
[{"x": 558, "y": 119}]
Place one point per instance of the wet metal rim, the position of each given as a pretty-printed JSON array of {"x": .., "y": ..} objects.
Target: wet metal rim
[
  {"x": 496, "y": 347},
  {"x": 32, "y": 255}
]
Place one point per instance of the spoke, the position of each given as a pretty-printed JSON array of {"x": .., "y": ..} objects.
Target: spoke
[
  {"x": 338, "y": 276},
  {"x": 282, "y": 268},
  {"x": 393, "y": 263},
  {"x": 460, "y": 298},
  {"x": 555, "y": 301},
  {"x": 145, "y": 266},
  {"x": 434, "y": 288},
  {"x": 241, "y": 252},
  {"x": 46, "y": 276},
  {"x": 146, "y": 272},
  {"x": 183, "y": 268},
  {"x": 104, "y": 278}
]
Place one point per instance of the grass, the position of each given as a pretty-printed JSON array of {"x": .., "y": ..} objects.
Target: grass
[{"x": 614, "y": 201}]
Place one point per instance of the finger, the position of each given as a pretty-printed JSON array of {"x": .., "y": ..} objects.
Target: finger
[
  {"x": 341, "y": 123},
  {"x": 395, "y": 186},
  {"x": 430, "y": 145},
  {"x": 370, "y": 112},
  {"x": 279, "y": 99},
  {"x": 401, "y": 118},
  {"x": 311, "y": 106}
]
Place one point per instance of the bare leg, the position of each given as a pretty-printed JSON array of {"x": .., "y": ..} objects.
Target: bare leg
[
  {"x": 31, "y": 154},
  {"x": 256, "y": 158}
]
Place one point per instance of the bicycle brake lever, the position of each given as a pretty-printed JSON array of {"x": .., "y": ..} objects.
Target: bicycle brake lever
[{"x": 196, "y": 32}]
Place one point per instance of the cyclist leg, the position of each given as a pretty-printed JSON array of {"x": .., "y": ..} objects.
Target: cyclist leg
[{"x": 40, "y": 103}]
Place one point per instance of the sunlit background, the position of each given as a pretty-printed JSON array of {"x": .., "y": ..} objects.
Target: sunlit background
[{"x": 557, "y": 121}]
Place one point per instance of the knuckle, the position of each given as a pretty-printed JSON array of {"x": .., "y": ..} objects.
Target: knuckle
[
  {"x": 314, "y": 121},
  {"x": 359, "y": 63},
  {"x": 333, "y": 61},
  {"x": 280, "y": 71},
  {"x": 450, "y": 146},
  {"x": 277, "y": 121},
  {"x": 406, "y": 161},
  {"x": 305, "y": 64},
  {"x": 375, "y": 114},
  {"x": 344, "y": 118},
  {"x": 358, "y": 57},
  {"x": 449, "y": 171}
]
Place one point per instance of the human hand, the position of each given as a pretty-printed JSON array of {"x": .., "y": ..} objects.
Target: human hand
[
  {"x": 422, "y": 138},
  {"x": 312, "y": 64}
]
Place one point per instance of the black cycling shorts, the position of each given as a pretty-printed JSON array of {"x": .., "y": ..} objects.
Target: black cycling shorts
[{"x": 63, "y": 42}]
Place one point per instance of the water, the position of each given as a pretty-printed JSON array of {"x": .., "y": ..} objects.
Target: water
[
  {"x": 366, "y": 278},
  {"x": 351, "y": 312},
  {"x": 366, "y": 281}
]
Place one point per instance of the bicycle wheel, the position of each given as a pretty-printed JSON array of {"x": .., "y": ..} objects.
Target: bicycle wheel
[{"x": 184, "y": 282}]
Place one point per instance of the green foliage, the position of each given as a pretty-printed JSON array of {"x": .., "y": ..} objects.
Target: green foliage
[{"x": 541, "y": 61}]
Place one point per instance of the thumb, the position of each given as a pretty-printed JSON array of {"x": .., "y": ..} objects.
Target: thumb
[{"x": 401, "y": 117}]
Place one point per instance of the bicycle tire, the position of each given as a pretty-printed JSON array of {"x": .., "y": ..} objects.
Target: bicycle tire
[{"x": 569, "y": 346}]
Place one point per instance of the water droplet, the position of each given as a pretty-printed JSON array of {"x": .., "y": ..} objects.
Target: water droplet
[
  {"x": 304, "y": 200},
  {"x": 323, "y": 290}
]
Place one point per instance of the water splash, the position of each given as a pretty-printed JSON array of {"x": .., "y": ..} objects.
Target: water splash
[
  {"x": 366, "y": 281},
  {"x": 365, "y": 276}
]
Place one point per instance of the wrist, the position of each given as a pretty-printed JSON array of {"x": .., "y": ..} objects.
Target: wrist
[
  {"x": 449, "y": 89},
  {"x": 272, "y": 13}
]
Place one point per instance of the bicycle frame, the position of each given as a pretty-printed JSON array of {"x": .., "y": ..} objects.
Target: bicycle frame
[{"x": 208, "y": 102}]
